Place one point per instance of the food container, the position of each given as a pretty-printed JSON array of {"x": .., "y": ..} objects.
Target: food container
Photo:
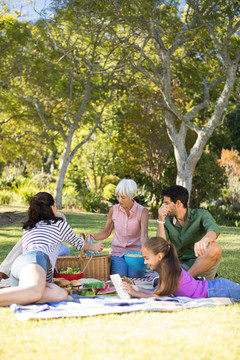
[
  {"x": 68, "y": 276},
  {"x": 135, "y": 260}
]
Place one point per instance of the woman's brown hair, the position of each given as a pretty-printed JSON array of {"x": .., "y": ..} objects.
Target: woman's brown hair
[
  {"x": 40, "y": 209},
  {"x": 169, "y": 267}
]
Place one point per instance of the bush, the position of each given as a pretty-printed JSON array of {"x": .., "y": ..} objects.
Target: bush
[
  {"x": 109, "y": 191},
  {"x": 71, "y": 199},
  {"x": 5, "y": 197},
  {"x": 92, "y": 202},
  {"x": 26, "y": 193},
  {"x": 208, "y": 180},
  {"x": 43, "y": 181},
  {"x": 226, "y": 215}
]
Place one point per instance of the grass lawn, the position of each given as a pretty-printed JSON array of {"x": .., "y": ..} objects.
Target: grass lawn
[{"x": 203, "y": 333}]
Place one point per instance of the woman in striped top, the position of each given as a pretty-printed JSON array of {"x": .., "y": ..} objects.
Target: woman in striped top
[{"x": 31, "y": 273}]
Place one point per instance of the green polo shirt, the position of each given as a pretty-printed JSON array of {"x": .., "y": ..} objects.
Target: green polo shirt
[{"x": 198, "y": 223}]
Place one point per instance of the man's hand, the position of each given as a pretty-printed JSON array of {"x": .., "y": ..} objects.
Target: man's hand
[
  {"x": 200, "y": 247},
  {"x": 162, "y": 212}
]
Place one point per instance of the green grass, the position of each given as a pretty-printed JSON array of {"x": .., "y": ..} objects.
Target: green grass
[{"x": 203, "y": 333}]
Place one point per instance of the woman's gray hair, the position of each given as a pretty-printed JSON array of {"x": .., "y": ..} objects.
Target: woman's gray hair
[{"x": 126, "y": 187}]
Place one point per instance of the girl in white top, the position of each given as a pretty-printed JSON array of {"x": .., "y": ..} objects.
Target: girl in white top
[{"x": 31, "y": 273}]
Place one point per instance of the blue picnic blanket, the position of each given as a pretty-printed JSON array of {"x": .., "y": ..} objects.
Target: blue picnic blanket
[{"x": 89, "y": 306}]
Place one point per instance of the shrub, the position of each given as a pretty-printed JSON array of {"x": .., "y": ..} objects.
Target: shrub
[
  {"x": 5, "y": 197},
  {"x": 93, "y": 202},
  {"x": 71, "y": 198},
  {"x": 226, "y": 215},
  {"x": 109, "y": 191},
  {"x": 42, "y": 181},
  {"x": 26, "y": 193}
]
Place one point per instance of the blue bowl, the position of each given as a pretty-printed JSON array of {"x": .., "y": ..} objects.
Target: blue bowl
[{"x": 136, "y": 262}]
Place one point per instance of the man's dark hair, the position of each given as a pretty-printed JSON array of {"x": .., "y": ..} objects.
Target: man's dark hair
[{"x": 176, "y": 192}]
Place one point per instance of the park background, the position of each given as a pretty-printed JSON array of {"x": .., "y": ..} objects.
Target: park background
[
  {"x": 92, "y": 92},
  {"x": 95, "y": 91}
]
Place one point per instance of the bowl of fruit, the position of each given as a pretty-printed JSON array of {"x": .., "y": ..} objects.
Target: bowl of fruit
[
  {"x": 135, "y": 260},
  {"x": 69, "y": 273}
]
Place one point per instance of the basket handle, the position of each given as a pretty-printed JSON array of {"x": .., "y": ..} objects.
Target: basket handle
[
  {"x": 87, "y": 264},
  {"x": 82, "y": 252}
]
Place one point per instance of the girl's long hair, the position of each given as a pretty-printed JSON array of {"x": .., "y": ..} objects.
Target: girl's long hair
[
  {"x": 169, "y": 267},
  {"x": 40, "y": 209}
]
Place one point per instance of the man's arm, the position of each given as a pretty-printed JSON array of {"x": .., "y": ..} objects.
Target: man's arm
[
  {"x": 5, "y": 266},
  {"x": 162, "y": 213},
  {"x": 212, "y": 232},
  {"x": 200, "y": 247}
]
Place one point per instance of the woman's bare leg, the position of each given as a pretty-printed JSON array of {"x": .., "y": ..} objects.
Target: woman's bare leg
[
  {"x": 31, "y": 287},
  {"x": 53, "y": 293}
]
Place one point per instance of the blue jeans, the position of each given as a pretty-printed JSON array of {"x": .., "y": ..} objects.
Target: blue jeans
[
  {"x": 30, "y": 257},
  {"x": 223, "y": 288},
  {"x": 64, "y": 250},
  {"x": 119, "y": 266}
]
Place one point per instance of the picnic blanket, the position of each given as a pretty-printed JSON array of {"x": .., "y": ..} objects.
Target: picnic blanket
[{"x": 78, "y": 306}]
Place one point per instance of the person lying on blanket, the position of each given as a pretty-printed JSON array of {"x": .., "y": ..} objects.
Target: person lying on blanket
[
  {"x": 5, "y": 266},
  {"x": 31, "y": 273},
  {"x": 161, "y": 255}
]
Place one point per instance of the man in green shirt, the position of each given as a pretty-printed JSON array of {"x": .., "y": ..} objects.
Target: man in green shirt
[{"x": 192, "y": 231}]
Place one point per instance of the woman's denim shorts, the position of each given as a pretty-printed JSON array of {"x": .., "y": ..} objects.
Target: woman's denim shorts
[{"x": 30, "y": 257}]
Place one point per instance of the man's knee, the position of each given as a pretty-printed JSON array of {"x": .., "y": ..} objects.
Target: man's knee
[{"x": 215, "y": 251}]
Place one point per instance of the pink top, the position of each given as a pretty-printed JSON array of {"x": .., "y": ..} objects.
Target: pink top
[
  {"x": 190, "y": 287},
  {"x": 127, "y": 229}
]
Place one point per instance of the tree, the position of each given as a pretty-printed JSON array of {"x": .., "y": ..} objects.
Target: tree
[
  {"x": 141, "y": 142},
  {"x": 65, "y": 76},
  {"x": 192, "y": 53},
  {"x": 230, "y": 161}
]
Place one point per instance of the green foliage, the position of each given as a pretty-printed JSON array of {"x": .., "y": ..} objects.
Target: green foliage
[
  {"x": 109, "y": 191},
  {"x": 110, "y": 179},
  {"x": 25, "y": 193},
  {"x": 42, "y": 181},
  {"x": 5, "y": 197},
  {"x": 208, "y": 180},
  {"x": 71, "y": 198},
  {"x": 93, "y": 202},
  {"x": 225, "y": 215}
]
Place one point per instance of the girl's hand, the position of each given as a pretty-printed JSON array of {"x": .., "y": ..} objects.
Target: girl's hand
[{"x": 130, "y": 289}]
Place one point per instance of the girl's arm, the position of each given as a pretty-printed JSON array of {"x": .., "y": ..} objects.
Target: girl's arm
[
  {"x": 69, "y": 236},
  {"x": 104, "y": 234},
  {"x": 144, "y": 226}
]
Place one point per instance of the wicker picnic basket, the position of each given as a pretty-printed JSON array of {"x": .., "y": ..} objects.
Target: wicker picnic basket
[{"x": 95, "y": 267}]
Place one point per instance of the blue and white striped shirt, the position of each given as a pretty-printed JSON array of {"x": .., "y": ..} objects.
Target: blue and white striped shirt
[{"x": 48, "y": 238}]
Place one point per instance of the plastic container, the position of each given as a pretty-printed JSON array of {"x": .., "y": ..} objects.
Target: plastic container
[{"x": 135, "y": 260}]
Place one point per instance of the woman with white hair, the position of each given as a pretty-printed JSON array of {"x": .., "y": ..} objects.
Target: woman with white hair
[{"x": 129, "y": 220}]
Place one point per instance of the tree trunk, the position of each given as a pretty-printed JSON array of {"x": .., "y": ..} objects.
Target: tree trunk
[{"x": 65, "y": 160}]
